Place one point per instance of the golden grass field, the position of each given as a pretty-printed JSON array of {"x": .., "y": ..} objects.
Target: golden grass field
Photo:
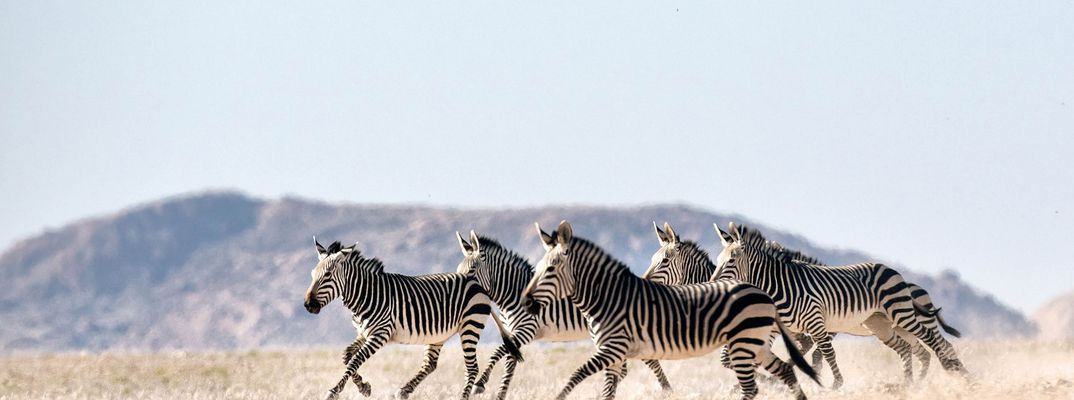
[{"x": 1000, "y": 370}]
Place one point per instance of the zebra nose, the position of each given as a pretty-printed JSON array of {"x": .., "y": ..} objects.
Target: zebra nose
[
  {"x": 530, "y": 306},
  {"x": 312, "y": 306}
]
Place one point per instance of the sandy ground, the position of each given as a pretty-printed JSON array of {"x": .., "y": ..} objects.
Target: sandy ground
[{"x": 1000, "y": 370}]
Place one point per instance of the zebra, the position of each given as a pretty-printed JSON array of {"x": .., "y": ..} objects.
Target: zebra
[
  {"x": 634, "y": 318},
  {"x": 922, "y": 302},
  {"x": 504, "y": 274},
  {"x": 680, "y": 262},
  {"x": 818, "y": 300},
  {"x": 386, "y": 307}
]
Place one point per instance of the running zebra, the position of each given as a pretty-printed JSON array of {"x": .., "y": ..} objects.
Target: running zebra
[
  {"x": 922, "y": 303},
  {"x": 818, "y": 300},
  {"x": 682, "y": 262},
  {"x": 504, "y": 275},
  {"x": 634, "y": 318},
  {"x": 426, "y": 309}
]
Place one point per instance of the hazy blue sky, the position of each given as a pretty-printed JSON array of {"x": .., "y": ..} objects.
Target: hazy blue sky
[{"x": 937, "y": 134}]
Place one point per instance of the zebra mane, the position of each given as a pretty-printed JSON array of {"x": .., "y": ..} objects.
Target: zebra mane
[
  {"x": 693, "y": 245},
  {"x": 373, "y": 265},
  {"x": 755, "y": 240},
  {"x": 512, "y": 257},
  {"x": 794, "y": 255},
  {"x": 580, "y": 245}
]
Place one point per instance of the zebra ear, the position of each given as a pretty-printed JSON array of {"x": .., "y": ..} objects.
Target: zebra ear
[
  {"x": 660, "y": 235},
  {"x": 466, "y": 247},
  {"x": 546, "y": 240},
  {"x": 672, "y": 237},
  {"x": 349, "y": 249},
  {"x": 725, "y": 239},
  {"x": 736, "y": 234},
  {"x": 564, "y": 233},
  {"x": 474, "y": 241},
  {"x": 321, "y": 252}
]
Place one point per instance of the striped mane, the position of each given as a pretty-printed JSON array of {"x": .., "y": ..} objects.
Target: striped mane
[
  {"x": 492, "y": 246},
  {"x": 690, "y": 244},
  {"x": 581, "y": 245},
  {"x": 753, "y": 239},
  {"x": 794, "y": 255}
]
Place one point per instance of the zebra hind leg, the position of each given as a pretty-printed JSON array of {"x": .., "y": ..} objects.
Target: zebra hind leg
[
  {"x": 881, "y": 327},
  {"x": 508, "y": 374},
  {"x": 432, "y": 355},
  {"x": 899, "y": 308},
  {"x": 468, "y": 338},
  {"x": 824, "y": 346},
  {"x": 660, "y": 376},
  {"x": 742, "y": 357}
]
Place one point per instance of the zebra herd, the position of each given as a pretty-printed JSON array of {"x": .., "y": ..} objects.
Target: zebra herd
[{"x": 685, "y": 305}]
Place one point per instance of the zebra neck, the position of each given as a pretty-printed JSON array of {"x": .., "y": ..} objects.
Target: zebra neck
[
  {"x": 356, "y": 293},
  {"x": 591, "y": 289},
  {"x": 508, "y": 285}
]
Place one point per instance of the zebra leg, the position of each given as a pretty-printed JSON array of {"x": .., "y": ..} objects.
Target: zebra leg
[
  {"x": 432, "y": 354},
  {"x": 508, "y": 373},
  {"x": 612, "y": 375},
  {"x": 468, "y": 338},
  {"x": 899, "y": 308},
  {"x": 781, "y": 370},
  {"x": 604, "y": 357},
  {"x": 918, "y": 349},
  {"x": 363, "y": 387},
  {"x": 880, "y": 326},
  {"x": 659, "y": 372},
  {"x": 824, "y": 346},
  {"x": 805, "y": 342},
  {"x": 373, "y": 343},
  {"x": 479, "y": 386},
  {"x": 741, "y": 354},
  {"x": 524, "y": 333}
]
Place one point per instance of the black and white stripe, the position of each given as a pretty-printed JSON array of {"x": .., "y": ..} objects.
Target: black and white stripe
[
  {"x": 386, "y": 307},
  {"x": 683, "y": 262},
  {"x": 635, "y": 318},
  {"x": 504, "y": 274},
  {"x": 819, "y": 300}
]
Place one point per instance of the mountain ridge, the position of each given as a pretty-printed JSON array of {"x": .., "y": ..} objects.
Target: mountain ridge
[{"x": 220, "y": 269}]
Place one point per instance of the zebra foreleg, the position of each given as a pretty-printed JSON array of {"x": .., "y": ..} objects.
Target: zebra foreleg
[
  {"x": 432, "y": 354},
  {"x": 660, "y": 376},
  {"x": 479, "y": 386},
  {"x": 781, "y": 370},
  {"x": 372, "y": 344},
  {"x": 612, "y": 376},
  {"x": 604, "y": 358},
  {"x": 824, "y": 346},
  {"x": 363, "y": 387},
  {"x": 806, "y": 344}
]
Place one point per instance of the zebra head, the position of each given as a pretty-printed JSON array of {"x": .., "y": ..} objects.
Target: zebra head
[
  {"x": 666, "y": 266},
  {"x": 553, "y": 277},
  {"x": 677, "y": 262},
  {"x": 473, "y": 262},
  {"x": 731, "y": 263},
  {"x": 325, "y": 287}
]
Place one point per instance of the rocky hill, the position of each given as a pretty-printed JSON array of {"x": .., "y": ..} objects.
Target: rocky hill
[
  {"x": 1056, "y": 318},
  {"x": 223, "y": 270}
]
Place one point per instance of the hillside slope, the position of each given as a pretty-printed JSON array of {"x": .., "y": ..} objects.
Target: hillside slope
[{"x": 222, "y": 270}]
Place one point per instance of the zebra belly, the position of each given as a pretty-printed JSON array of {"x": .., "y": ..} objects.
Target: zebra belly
[
  {"x": 646, "y": 351},
  {"x": 407, "y": 337},
  {"x": 556, "y": 334},
  {"x": 849, "y": 324}
]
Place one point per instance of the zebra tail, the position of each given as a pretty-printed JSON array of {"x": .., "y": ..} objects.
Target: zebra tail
[
  {"x": 509, "y": 342},
  {"x": 796, "y": 355},
  {"x": 936, "y": 314}
]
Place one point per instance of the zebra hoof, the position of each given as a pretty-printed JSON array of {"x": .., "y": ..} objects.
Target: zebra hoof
[
  {"x": 478, "y": 389},
  {"x": 331, "y": 396},
  {"x": 365, "y": 389},
  {"x": 402, "y": 395}
]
